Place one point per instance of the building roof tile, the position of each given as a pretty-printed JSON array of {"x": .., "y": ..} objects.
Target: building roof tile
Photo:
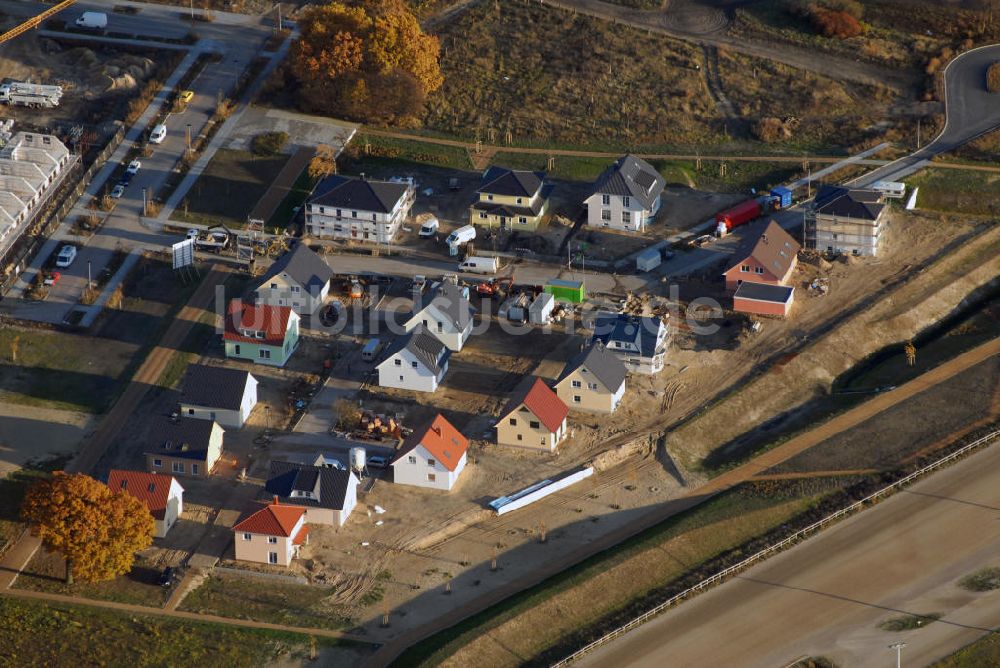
[
  {"x": 537, "y": 397},
  {"x": 150, "y": 488}
]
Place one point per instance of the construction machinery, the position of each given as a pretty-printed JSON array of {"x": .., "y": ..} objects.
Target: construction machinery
[
  {"x": 22, "y": 94},
  {"x": 35, "y": 21},
  {"x": 495, "y": 287}
]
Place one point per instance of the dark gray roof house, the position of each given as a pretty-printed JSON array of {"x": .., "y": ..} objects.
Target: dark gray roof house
[
  {"x": 425, "y": 347},
  {"x": 632, "y": 177},
  {"x": 640, "y": 341},
  {"x": 304, "y": 266},
  {"x": 182, "y": 438},
  {"x": 358, "y": 194},
  {"x": 304, "y": 485},
  {"x": 857, "y": 203},
  {"x": 599, "y": 361},
  {"x": 450, "y": 301},
  {"x": 511, "y": 182},
  {"x": 214, "y": 386}
]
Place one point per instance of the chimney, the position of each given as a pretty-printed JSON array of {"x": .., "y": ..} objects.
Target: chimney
[
  {"x": 436, "y": 429},
  {"x": 275, "y": 502}
]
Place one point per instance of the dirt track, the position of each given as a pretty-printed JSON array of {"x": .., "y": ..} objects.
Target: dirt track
[{"x": 694, "y": 497}]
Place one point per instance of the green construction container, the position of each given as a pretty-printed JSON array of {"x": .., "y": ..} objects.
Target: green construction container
[{"x": 565, "y": 291}]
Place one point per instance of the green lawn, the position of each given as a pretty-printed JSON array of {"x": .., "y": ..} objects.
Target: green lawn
[
  {"x": 295, "y": 197},
  {"x": 958, "y": 191},
  {"x": 266, "y": 601},
  {"x": 983, "y": 652},
  {"x": 229, "y": 188},
  {"x": 37, "y": 634},
  {"x": 46, "y": 572},
  {"x": 365, "y": 148}
]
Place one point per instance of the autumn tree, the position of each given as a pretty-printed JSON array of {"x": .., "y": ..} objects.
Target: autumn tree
[
  {"x": 323, "y": 163},
  {"x": 97, "y": 530},
  {"x": 367, "y": 60}
]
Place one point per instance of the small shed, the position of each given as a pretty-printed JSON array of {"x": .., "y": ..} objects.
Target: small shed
[
  {"x": 648, "y": 259},
  {"x": 782, "y": 196},
  {"x": 566, "y": 291},
  {"x": 763, "y": 299},
  {"x": 540, "y": 311}
]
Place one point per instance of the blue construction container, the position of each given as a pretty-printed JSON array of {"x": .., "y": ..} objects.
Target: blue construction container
[{"x": 782, "y": 197}]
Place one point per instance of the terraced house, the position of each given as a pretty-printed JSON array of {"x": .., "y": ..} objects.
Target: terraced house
[
  {"x": 511, "y": 199},
  {"x": 342, "y": 207}
]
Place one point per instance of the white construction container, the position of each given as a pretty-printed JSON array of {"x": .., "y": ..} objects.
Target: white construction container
[
  {"x": 540, "y": 311},
  {"x": 648, "y": 259}
]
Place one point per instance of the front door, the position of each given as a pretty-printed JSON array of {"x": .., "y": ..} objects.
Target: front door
[{"x": 503, "y": 222}]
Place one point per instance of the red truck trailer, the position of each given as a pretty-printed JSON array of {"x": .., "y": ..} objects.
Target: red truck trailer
[{"x": 738, "y": 215}]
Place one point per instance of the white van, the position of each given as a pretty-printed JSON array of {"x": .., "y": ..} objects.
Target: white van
[
  {"x": 430, "y": 227},
  {"x": 462, "y": 235},
  {"x": 479, "y": 265},
  {"x": 370, "y": 351},
  {"x": 92, "y": 21},
  {"x": 158, "y": 134}
]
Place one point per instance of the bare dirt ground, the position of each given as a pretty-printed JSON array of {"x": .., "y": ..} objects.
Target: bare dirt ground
[{"x": 35, "y": 433}]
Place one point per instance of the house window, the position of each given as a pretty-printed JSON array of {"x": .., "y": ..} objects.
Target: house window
[
  {"x": 413, "y": 364},
  {"x": 625, "y": 201},
  {"x": 354, "y": 214},
  {"x": 745, "y": 269},
  {"x": 606, "y": 200},
  {"x": 246, "y": 536},
  {"x": 606, "y": 215},
  {"x": 273, "y": 540},
  {"x": 758, "y": 270},
  {"x": 274, "y": 286},
  {"x": 431, "y": 477},
  {"x": 411, "y": 459},
  {"x": 264, "y": 354},
  {"x": 440, "y": 326},
  {"x": 430, "y": 462},
  {"x": 398, "y": 362},
  {"x": 489, "y": 197},
  {"x": 157, "y": 463},
  {"x": 236, "y": 351},
  {"x": 520, "y": 200},
  {"x": 591, "y": 386},
  {"x": 177, "y": 467},
  {"x": 533, "y": 424},
  {"x": 272, "y": 557},
  {"x": 296, "y": 288},
  {"x": 482, "y": 214},
  {"x": 577, "y": 384},
  {"x": 190, "y": 411},
  {"x": 520, "y": 438},
  {"x": 322, "y": 210},
  {"x": 194, "y": 469},
  {"x": 522, "y": 220},
  {"x": 626, "y": 217},
  {"x": 513, "y": 422},
  {"x": 259, "y": 334},
  {"x": 339, "y": 213},
  {"x": 576, "y": 399}
]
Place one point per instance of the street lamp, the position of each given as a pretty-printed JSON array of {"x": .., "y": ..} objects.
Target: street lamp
[{"x": 898, "y": 646}]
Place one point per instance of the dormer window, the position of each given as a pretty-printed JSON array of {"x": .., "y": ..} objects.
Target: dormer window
[
  {"x": 625, "y": 200},
  {"x": 259, "y": 334}
]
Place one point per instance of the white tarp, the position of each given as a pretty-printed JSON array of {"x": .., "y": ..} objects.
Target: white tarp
[{"x": 539, "y": 490}]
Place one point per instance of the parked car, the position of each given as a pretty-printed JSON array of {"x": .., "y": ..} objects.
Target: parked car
[
  {"x": 158, "y": 134},
  {"x": 51, "y": 278},
  {"x": 66, "y": 256},
  {"x": 125, "y": 179},
  {"x": 185, "y": 96},
  {"x": 133, "y": 167},
  {"x": 378, "y": 461},
  {"x": 168, "y": 576},
  {"x": 117, "y": 191},
  {"x": 429, "y": 228}
]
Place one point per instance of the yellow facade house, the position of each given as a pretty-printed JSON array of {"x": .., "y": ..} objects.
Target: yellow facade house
[
  {"x": 535, "y": 417},
  {"x": 511, "y": 199},
  {"x": 594, "y": 380}
]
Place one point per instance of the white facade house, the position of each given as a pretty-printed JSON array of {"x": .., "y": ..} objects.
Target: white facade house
[
  {"x": 851, "y": 221},
  {"x": 358, "y": 209},
  {"x": 433, "y": 458},
  {"x": 626, "y": 196},
  {"x": 224, "y": 395},
  {"x": 328, "y": 495},
  {"x": 640, "y": 341},
  {"x": 446, "y": 315},
  {"x": 161, "y": 494},
  {"x": 416, "y": 361},
  {"x": 300, "y": 279}
]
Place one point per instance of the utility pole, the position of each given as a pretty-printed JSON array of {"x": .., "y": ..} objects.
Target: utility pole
[
  {"x": 89, "y": 284},
  {"x": 918, "y": 133},
  {"x": 898, "y": 646},
  {"x": 143, "y": 201},
  {"x": 188, "y": 136},
  {"x": 192, "y": 10}
]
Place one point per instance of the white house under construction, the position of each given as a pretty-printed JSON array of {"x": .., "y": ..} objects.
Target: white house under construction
[{"x": 30, "y": 164}]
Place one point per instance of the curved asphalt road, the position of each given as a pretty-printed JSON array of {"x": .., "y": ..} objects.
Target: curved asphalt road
[{"x": 971, "y": 111}]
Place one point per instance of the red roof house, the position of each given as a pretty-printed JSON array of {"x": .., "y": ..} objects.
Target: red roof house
[
  {"x": 260, "y": 332},
  {"x": 432, "y": 457},
  {"x": 162, "y": 494},
  {"x": 535, "y": 417},
  {"x": 768, "y": 257},
  {"x": 272, "y": 534}
]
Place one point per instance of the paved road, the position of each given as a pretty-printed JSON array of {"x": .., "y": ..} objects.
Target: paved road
[
  {"x": 826, "y": 596},
  {"x": 971, "y": 111},
  {"x": 392, "y": 649}
]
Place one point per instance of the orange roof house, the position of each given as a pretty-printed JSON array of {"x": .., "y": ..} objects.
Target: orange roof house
[
  {"x": 271, "y": 535},
  {"x": 162, "y": 495},
  {"x": 432, "y": 457},
  {"x": 535, "y": 417}
]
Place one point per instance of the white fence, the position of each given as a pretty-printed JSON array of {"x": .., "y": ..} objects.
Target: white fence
[{"x": 771, "y": 550}]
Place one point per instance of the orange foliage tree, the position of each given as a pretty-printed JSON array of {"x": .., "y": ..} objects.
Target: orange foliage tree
[
  {"x": 369, "y": 60},
  {"x": 97, "y": 530}
]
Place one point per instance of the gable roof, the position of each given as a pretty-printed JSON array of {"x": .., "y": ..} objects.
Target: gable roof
[
  {"x": 604, "y": 365},
  {"x": 184, "y": 438},
  {"x": 358, "y": 194},
  {"x": 304, "y": 266},
  {"x": 425, "y": 347},
  {"x": 640, "y": 331},
  {"x": 511, "y": 182},
  {"x": 538, "y": 398},
  {"x": 441, "y": 439},
  {"x": 450, "y": 301},
  {"x": 271, "y": 520},
  {"x": 150, "y": 488},
  {"x": 764, "y": 292},
  {"x": 773, "y": 248},
  {"x": 214, "y": 386},
  {"x": 861, "y": 203},
  {"x": 328, "y": 485},
  {"x": 633, "y": 177},
  {"x": 272, "y": 320}
]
